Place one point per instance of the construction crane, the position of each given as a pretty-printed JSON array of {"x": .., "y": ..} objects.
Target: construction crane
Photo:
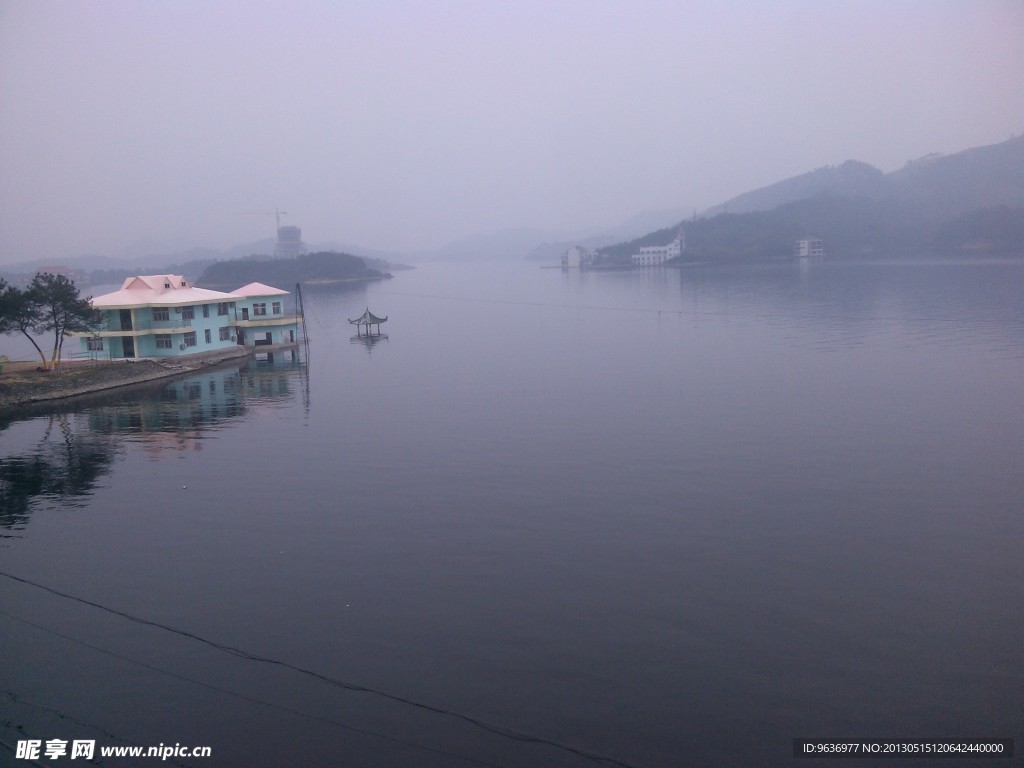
[
  {"x": 277, "y": 216},
  {"x": 278, "y": 213}
]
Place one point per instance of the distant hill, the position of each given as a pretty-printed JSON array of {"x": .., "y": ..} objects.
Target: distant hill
[
  {"x": 84, "y": 263},
  {"x": 969, "y": 202},
  {"x": 322, "y": 266},
  {"x": 190, "y": 269},
  {"x": 104, "y": 270},
  {"x": 938, "y": 186},
  {"x": 851, "y": 227},
  {"x": 999, "y": 229},
  {"x": 621, "y": 253},
  {"x": 851, "y": 178},
  {"x": 950, "y": 185},
  {"x": 637, "y": 225},
  {"x": 545, "y": 244}
]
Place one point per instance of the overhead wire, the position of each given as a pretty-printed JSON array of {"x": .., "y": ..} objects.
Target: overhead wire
[
  {"x": 244, "y": 697},
  {"x": 497, "y": 729}
]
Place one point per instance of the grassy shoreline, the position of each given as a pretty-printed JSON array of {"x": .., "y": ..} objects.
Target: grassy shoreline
[{"x": 21, "y": 384}]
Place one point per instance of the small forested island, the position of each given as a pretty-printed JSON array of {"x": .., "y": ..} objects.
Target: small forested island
[{"x": 319, "y": 267}]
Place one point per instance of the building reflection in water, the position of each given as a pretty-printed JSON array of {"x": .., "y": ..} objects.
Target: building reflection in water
[{"x": 60, "y": 454}]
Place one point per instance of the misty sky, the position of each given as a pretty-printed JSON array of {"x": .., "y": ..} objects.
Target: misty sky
[{"x": 404, "y": 125}]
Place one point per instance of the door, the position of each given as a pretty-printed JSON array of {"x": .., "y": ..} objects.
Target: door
[
  {"x": 129, "y": 345},
  {"x": 126, "y": 319}
]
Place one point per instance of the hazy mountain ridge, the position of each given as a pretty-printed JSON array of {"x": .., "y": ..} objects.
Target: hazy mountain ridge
[
  {"x": 951, "y": 185},
  {"x": 850, "y": 178},
  {"x": 940, "y": 185},
  {"x": 969, "y": 202}
]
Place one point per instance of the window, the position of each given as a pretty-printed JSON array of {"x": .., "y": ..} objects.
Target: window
[
  {"x": 209, "y": 335},
  {"x": 222, "y": 308},
  {"x": 163, "y": 342},
  {"x": 95, "y": 345},
  {"x": 184, "y": 284},
  {"x": 277, "y": 307},
  {"x": 206, "y": 310},
  {"x": 190, "y": 339},
  {"x": 259, "y": 309},
  {"x": 188, "y": 313},
  {"x": 161, "y": 313},
  {"x": 225, "y": 334}
]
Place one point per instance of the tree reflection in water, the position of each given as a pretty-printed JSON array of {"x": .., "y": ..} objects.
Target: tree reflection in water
[
  {"x": 64, "y": 464},
  {"x": 61, "y": 450}
]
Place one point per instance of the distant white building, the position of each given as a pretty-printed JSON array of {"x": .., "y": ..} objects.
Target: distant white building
[
  {"x": 656, "y": 255},
  {"x": 810, "y": 248},
  {"x": 577, "y": 257},
  {"x": 289, "y": 243}
]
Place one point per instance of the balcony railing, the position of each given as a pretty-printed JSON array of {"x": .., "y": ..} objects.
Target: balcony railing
[
  {"x": 147, "y": 325},
  {"x": 178, "y": 324},
  {"x": 278, "y": 319}
]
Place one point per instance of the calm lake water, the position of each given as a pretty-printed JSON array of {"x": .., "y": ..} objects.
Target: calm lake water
[{"x": 657, "y": 518}]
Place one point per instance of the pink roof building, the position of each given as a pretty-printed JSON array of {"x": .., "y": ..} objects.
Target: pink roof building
[
  {"x": 158, "y": 290},
  {"x": 157, "y": 316}
]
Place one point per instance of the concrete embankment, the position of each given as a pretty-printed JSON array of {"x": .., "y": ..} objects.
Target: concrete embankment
[{"x": 21, "y": 384}]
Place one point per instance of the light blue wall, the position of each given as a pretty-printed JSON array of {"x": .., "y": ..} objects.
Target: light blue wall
[
  {"x": 145, "y": 344},
  {"x": 247, "y": 303},
  {"x": 144, "y": 319},
  {"x": 279, "y": 334}
]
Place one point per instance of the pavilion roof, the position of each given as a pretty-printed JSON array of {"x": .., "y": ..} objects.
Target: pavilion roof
[{"x": 368, "y": 318}]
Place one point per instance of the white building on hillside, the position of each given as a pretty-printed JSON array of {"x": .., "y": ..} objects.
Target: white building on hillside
[{"x": 656, "y": 255}]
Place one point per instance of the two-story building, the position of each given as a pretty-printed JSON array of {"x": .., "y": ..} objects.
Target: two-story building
[
  {"x": 160, "y": 316},
  {"x": 260, "y": 318}
]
